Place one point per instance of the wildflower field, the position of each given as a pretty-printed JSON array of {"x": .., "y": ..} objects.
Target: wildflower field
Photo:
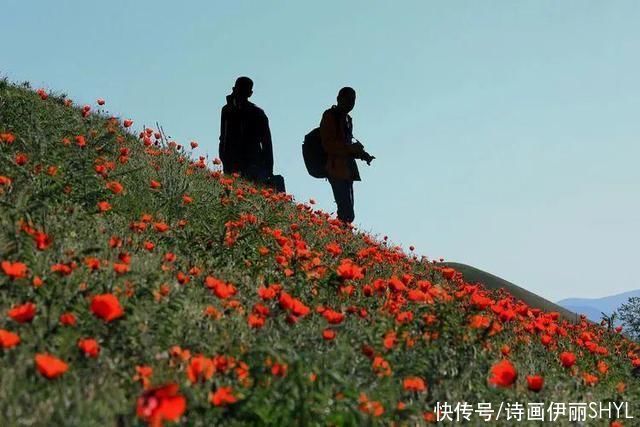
[{"x": 140, "y": 285}]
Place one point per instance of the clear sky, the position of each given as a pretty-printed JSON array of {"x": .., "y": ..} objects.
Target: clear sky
[{"x": 506, "y": 132}]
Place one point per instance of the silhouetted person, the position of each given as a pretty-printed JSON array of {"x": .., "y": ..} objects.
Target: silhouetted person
[
  {"x": 336, "y": 133},
  {"x": 245, "y": 138}
]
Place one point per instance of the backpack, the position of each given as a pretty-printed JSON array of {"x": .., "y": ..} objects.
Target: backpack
[{"x": 315, "y": 158}]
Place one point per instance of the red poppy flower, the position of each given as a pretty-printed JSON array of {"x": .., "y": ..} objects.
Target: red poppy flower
[
  {"x": 161, "y": 404},
  {"x": 328, "y": 334},
  {"x": 23, "y": 313},
  {"x": 347, "y": 270},
  {"x": 221, "y": 289},
  {"x": 160, "y": 227},
  {"x": 100, "y": 101},
  {"x": 15, "y": 270},
  {"x": 104, "y": 206},
  {"x": 127, "y": 123},
  {"x": 567, "y": 359},
  {"x": 120, "y": 267},
  {"x": 8, "y": 339},
  {"x": 68, "y": 319},
  {"x": 414, "y": 384},
  {"x": 115, "y": 187},
  {"x": 7, "y": 137},
  {"x": 223, "y": 396},
  {"x": 107, "y": 307},
  {"x": 503, "y": 374},
  {"x": 200, "y": 368},
  {"x": 333, "y": 317},
  {"x": 50, "y": 366},
  {"x": 535, "y": 382},
  {"x": 89, "y": 347},
  {"x": 256, "y": 321},
  {"x": 81, "y": 141}
]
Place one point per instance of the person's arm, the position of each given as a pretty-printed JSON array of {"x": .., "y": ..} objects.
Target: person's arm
[
  {"x": 267, "y": 147},
  {"x": 332, "y": 139}
]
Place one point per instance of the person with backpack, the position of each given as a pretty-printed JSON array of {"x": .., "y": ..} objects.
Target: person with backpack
[
  {"x": 245, "y": 139},
  {"x": 336, "y": 137}
]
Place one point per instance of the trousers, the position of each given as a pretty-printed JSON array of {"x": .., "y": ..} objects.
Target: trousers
[{"x": 343, "y": 196}]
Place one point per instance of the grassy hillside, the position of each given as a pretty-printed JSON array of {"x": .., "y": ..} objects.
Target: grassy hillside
[{"x": 139, "y": 285}]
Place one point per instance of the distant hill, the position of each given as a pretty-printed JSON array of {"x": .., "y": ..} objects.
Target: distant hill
[{"x": 594, "y": 307}]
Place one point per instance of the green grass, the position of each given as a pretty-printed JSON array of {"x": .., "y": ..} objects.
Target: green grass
[{"x": 250, "y": 238}]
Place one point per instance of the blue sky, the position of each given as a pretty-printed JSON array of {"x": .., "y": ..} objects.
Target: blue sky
[{"x": 506, "y": 133}]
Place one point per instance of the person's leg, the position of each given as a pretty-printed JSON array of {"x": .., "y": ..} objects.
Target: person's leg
[{"x": 343, "y": 195}]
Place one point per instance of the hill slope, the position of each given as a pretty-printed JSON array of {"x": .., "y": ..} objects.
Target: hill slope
[{"x": 139, "y": 285}]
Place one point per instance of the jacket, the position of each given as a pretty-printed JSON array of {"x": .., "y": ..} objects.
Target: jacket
[
  {"x": 245, "y": 138},
  {"x": 336, "y": 135}
]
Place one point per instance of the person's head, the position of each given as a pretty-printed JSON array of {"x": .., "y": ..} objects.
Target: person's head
[
  {"x": 243, "y": 89},
  {"x": 346, "y": 99}
]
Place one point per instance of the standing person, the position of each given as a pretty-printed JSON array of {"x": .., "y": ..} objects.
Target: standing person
[
  {"x": 245, "y": 138},
  {"x": 336, "y": 134}
]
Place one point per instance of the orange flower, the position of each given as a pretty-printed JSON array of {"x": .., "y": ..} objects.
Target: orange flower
[
  {"x": 503, "y": 374},
  {"x": 372, "y": 407},
  {"x": 347, "y": 270},
  {"x": 603, "y": 367},
  {"x": 115, "y": 187},
  {"x": 23, "y": 313},
  {"x": 155, "y": 184},
  {"x": 221, "y": 289},
  {"x": 143, "y": 374},
  {"x": 120, "y": 267},
  {"x": 333, "y": 248},
  {"x": 535, "y": 382},
  {"x": 269, "y": 292},
  {"x": 223, "y": 396},
  {"x": 92, "y": 263},
  {"x": 15, "y": 270},
  {"x": 328, "y": 334},
  {"x": 42, "y": 94},
  {"x": 567, "y": 359},
  {"x": 161, "y": 404},
  {"x": 381, "y": 367},
  {"x": 256, "y": 321},
  {"x": 107, "y": 307},
  {"x": 200, "y": 368},
  {"x": 5, "y": 180},
  {"x": 68, "y": 319},
  {"x": 81, "y": 141},
  {"x": 333, "y": 317},
  {"x": 589, "y": 379},
  {"x": 62, "y": 269},
  {"x": 160, "y": 227},
  {"x": 104, "y": 206},
  {"x": 416, "y": 384},
  {"x": 50, "y": 366},
  {"x": 89, "y": 347},
  {"x": 479, "y": 321},
  {"x": 8, "y": 339},
  {"x": 7, "y": 137}
]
